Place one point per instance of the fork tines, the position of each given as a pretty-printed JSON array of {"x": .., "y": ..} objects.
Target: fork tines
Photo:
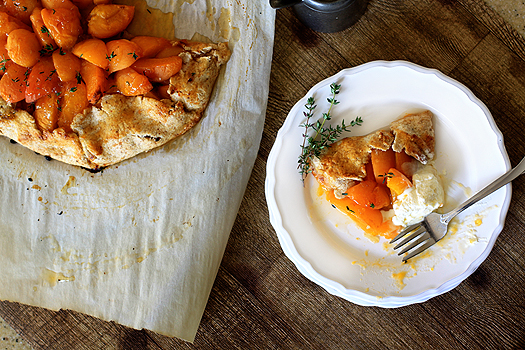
[{"x": 417, "y": 236}]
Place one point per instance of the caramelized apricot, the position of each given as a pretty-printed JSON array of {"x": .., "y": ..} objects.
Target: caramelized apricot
[
  {"x": 20, "y": 9},
  {"x": 151, "y": 45},
  {"x": 131, "y": 83},
  {"x": 5, "y": 61},
  {"x": 60, "y": 4},
  {"x": 46, "y": 112},
  {"x": 382, "y": 161},
  {"x": 169, "y": 51},
  {"x": 73, "y": 101},
  {"x": 9, "y": 23},
  {"x": 12, "y": 84},
  {"x": 368, "y": 219},
  {"x": 95, "y": 80},
  {"x": 42, "y": 80},
  {"x": 93, "y": 51},
  {"x": 397, "y": 182},
  {"x": 158, "y": 69},
  {"x": 122, "y": 53},
  {"x": 41, "y": 31},
  {"x": 64, "y": 26},
  {"x": 107, "y": 20},
  {"x": 23, "y": 47},
  {"x": 66, "y": 64}
]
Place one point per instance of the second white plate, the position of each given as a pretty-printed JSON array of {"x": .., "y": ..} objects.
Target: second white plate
[{"x": 329, "y": 249}]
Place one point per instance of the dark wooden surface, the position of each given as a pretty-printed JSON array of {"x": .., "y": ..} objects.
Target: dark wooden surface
[{"x": 260, "y": 300}]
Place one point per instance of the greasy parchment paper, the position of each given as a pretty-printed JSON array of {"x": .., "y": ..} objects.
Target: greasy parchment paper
[{"x": 141, "y": 242}]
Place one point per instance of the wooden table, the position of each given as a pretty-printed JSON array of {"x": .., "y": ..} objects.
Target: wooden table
[{"x": 260, "y": 300}]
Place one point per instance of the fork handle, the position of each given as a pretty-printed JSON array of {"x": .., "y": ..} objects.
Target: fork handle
[{"x": 496, "y": 184}]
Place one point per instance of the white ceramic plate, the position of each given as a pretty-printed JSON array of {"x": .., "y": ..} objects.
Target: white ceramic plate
[{"x": 329, "y": 249}]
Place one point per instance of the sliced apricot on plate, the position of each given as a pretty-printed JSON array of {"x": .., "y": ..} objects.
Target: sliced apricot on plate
[
  {"x": 382, "y": 161},
  {"x": 397, "y": 182}
]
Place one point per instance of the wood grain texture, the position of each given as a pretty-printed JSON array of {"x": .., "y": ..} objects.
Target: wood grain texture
[{"x": 259, "y": 299}]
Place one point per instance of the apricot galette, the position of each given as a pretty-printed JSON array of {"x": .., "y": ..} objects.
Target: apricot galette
[{"x": 75, "y": 87}]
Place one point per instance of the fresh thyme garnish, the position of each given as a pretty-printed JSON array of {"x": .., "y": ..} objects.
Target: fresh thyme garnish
[
  {"x": 111, "y": 56},
  {"x": 135, "y": 56},
  {"x": 79, "y": 78},
  {"x": 44, "y": 30},
  {"x": 386, "y": 176},
  {"x": 48, "y": 48},
  {"x": 323, "y": 136},
  {"x": 2, "y": 64}
]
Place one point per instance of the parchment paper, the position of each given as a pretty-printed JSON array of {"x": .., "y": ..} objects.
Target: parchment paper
[{"x": 141, "y": 242}]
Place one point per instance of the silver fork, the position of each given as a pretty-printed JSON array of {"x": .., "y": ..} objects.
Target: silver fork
[{"x": 434, "y": 226}]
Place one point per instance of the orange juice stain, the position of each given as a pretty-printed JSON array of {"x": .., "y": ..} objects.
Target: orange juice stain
[{"x": 149, "y": 21}]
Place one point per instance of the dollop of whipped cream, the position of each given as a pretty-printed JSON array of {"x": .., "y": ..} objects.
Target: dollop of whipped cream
[{"x": 416, "y": 202}]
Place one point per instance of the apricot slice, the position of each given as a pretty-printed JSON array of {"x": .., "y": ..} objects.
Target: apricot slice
[
  {"x": 73, "y": 101},
  {"x": 107, "y": 20},
  {"x": 397, "y": 182},
  {"x": 368, "y": 219},
  {"x": 20, "y": 9},
  {"x": 9, "y": 23},
  {"x": 122, "y": 53},
  {"x": 362, "y": 193},
  {"x": 382, "y": 161},
  {"x": 158, "y": 69},
  {"x": 60, "y": 4},
  {"x": 46, "y": 112},
  {"x": 93, "y": 51},
  {"x": 42, "y": 80},
  {"x": 23, "y": 47},
  {"x": 5, "y": 61},
  {"x": 41, "y": 31},
  {"x": 131, "y": 83},
  {"x": 170, "y": 51},
  {"x": 151, "y": 45},
  {"x": 95, "y": 80},
  {"x": 66, "y": 64},
  {"x": 64, "y": 26},
  {"x": 12, "y": 84}
]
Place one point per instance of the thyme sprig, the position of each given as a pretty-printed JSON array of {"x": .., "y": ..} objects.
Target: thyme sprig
[{"x": 323, "y": 136}]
